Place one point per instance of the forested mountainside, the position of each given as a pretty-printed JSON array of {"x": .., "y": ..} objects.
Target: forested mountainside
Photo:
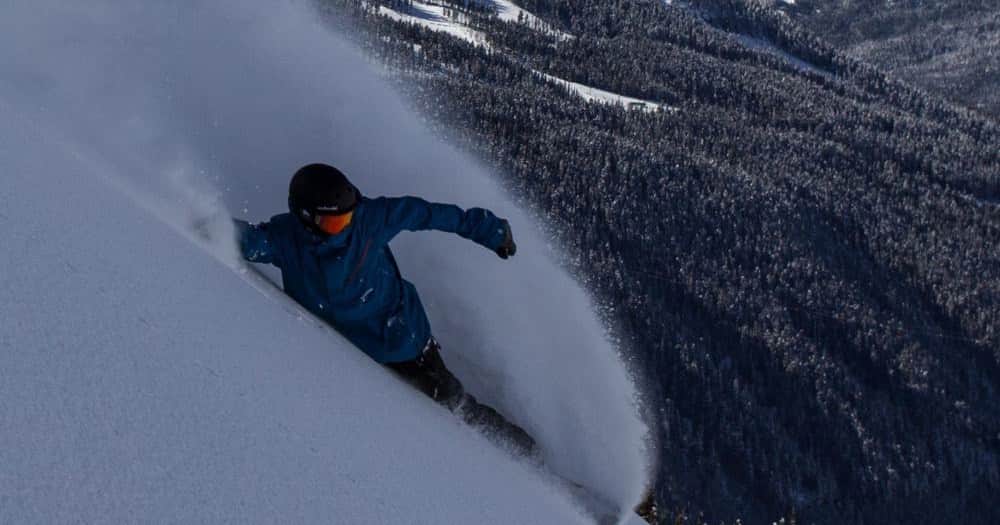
[
  {"x": 951, "y": 47},
  {"x": 801, "y": 255}
]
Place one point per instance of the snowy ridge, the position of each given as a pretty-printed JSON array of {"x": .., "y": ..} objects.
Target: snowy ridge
[{"x": 144, "y": 380}]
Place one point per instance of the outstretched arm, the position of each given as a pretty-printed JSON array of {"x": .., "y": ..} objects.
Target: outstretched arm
[
  {"x": 476, "y": 224},
  {"x": 256, "y": 243}
]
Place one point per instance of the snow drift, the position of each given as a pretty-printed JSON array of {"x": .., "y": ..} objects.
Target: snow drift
[{"x": 191, "y": 108}]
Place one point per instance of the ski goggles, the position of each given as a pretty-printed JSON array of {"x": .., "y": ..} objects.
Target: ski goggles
[{"x": 333, "y": 224}]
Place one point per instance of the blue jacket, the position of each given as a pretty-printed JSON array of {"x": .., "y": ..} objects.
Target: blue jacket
[{"x": 351, "y": 279}]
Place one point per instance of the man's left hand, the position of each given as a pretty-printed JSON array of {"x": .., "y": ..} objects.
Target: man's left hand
[{"x": 507, "y": 248}]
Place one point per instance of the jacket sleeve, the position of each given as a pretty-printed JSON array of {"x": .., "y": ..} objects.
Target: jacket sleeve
[
  {"x": 413, "y": 214},
  {"x": 256, "y": 242}
]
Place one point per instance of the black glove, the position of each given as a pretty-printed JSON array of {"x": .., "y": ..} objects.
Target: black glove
[{"x": 507, "y": 248}]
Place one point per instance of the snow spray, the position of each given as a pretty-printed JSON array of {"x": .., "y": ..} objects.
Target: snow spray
[{"x": 198, "y": 106}]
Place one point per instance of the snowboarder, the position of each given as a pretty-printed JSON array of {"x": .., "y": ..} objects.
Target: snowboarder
[{"x": 333, "y": 251}]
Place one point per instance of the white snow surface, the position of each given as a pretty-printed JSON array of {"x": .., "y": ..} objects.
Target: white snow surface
[
  {"x": 146, "y": 382},
  {"x": 147, "y": 377}
]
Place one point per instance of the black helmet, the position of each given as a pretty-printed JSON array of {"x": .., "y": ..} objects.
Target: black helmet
[{"x": 320, "y": 189}]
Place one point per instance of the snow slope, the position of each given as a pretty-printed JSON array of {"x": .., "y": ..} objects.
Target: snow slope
[{"x": 142, "y": 379}]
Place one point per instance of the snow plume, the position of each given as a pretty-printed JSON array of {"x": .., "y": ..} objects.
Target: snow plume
[{"x": 195, "y": 107}]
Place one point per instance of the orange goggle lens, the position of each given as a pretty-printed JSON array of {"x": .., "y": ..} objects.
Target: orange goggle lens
[{"x": 334, "y": 224}]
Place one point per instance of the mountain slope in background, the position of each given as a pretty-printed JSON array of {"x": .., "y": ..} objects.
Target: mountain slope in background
[
  {"x": 951, "y": 47},
  {"x": 801, "y": 252}
]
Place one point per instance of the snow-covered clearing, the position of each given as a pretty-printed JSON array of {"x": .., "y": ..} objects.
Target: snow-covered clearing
[
  {"x": 592, "y": 94},
  {"x": 433, "y": 17},
  {"x": 510, "y": 12},
  {"x": 142, "y": 379}
]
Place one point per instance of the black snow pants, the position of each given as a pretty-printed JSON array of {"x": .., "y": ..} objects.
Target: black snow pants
[{"x": 429, "y": 375}]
